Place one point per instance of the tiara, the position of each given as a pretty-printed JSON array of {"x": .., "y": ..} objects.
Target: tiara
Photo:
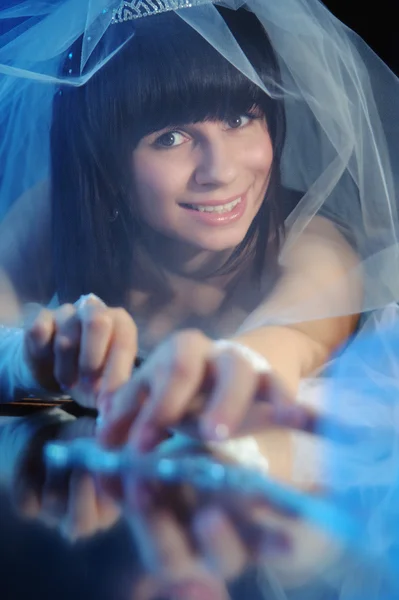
[{"x": 128, "y": 11}]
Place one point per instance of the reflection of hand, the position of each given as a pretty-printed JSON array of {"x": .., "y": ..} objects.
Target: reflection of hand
[
  {"x": 173, "y": 383},
  {"x": 168, "y": 556},
  {"x": 296, "y": 552},
  {"x": 180, "y": 529},
  {"x": 87, "y": 348},
  {"x": 217, "y": 515},
  {"x": 75, "y": 507},
  {"x": 212, "y": 541},
  {"x": 67, "y": 500}
]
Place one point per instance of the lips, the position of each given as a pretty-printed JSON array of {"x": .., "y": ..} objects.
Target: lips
[
  {"x": 217, "y": 213},
  {"x": 218, "y": 208},
  {"x": 214, "y": 205}
]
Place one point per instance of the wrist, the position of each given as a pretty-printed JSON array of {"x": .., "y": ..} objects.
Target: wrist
[
  {"x": 286, "y": 350},
  {"x": 254, "y": 358},
  {"x": 16, "y": 373}
]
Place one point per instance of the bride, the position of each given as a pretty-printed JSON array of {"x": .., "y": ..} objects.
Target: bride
[
  {"x": 215, "y": 184},
  {"x": 209, "y": 188}
]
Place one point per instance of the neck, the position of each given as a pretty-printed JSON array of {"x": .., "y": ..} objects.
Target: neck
[{"x": 176, "y": 257}]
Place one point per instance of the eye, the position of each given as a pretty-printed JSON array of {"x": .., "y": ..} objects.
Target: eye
[
  {"x": 237, "y": 122},
  {"x": 170, "y": 139}
]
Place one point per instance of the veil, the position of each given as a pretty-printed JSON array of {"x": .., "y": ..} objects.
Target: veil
[{"x": 340, "y": 110}]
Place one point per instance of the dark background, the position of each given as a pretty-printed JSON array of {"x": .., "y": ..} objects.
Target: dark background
[{"x": 375, "y": 21}]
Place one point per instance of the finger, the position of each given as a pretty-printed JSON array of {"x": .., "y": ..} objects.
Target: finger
[
  {"x": 220, "y": 543},
  {"x": 174, "y": 383},
  {"x": 54, "y": 499},
  {"x": 269, "y": 406},
  {"x": 235, "y": 391},
  {"x": 108, "y": 511},
  {"x": 110, "y": 486},
  {"x": 275, "y": 524},
  {"x": 97, "y": 325},
  {"x": 39, "y": 335},
  {"x": 82, "y": 518},
  {"x": 280, "y": 413},
  {"x": 294, "y": 548},
  {"x": 162, "y": 544},
  {"x": 66, "y": 345},
  {"x": 241, "y": 534},
  {"x": 262, "y": 527},
  {"x": 28, "y": 504},
  {"x": 167, "y": 552},
  {"x": 296, "y": 416},
  {"x": 122, "y": 352},
  {"x": 118, "y": 411}
]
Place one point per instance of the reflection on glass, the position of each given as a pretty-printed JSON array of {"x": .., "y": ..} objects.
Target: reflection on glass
[{"x": 179, "y": 523}]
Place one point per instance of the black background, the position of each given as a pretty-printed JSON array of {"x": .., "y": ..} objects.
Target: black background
[{"x": 375, "y": 21}]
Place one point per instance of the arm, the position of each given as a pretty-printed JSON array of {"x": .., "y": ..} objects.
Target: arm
[
  {"x": 25, "y": 276},
  {"x": 320, "y": 277},
  {"x": 320, "y": 271},
  {"x": 25, "y": 246},
  {"x": 41, "y": 358},
  {"x": 214, "y": 389}
]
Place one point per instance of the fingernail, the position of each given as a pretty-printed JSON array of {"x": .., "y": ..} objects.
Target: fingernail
[
  {"x": 145, "y": 438},
  {"x": 217, "y": 432}
]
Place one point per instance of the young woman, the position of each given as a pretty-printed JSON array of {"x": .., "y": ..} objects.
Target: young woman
[{"x": 208, "y": 187}]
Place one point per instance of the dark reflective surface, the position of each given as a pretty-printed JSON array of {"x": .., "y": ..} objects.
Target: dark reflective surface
[{"x": 70, "y": 533}]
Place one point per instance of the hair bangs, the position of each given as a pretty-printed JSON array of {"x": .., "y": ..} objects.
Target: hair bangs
[
  {"x": 178, "y": 78},
  {"x": 184, "y": 80}
]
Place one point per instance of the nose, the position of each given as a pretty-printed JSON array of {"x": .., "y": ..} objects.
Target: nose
[{"x": 216, "y": 165}]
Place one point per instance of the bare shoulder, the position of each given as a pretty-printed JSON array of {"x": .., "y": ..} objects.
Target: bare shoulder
[
  {"x": 35, "y": 202},
  {"x": 323, "y": 236}
]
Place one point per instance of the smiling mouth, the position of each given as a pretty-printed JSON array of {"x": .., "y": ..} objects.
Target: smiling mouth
[{"x": 221, "y": 208}]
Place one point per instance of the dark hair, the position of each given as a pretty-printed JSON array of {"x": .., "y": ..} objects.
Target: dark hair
[{"x": 165, "y": 74}]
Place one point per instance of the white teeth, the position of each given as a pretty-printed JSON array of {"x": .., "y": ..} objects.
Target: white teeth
[{"x": 222, "y": 208}]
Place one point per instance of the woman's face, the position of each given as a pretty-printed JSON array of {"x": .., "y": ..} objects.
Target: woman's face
[{"x": 204, "y": 183}]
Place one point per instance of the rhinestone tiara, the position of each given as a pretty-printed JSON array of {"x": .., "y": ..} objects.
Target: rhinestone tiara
[{"x": 128, "y": 11}]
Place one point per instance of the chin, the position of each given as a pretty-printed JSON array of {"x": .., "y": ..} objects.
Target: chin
[{"x": 218, "y": 242}]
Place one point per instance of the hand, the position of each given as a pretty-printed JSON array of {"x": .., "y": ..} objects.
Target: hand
[
  {"x": 215, "y": 393},
  {"x": 87, "y": 349},
  {"x": 193, "y": 541},
  {"x": 72, "y": 504},
  {"x": 68, "y": 500}
]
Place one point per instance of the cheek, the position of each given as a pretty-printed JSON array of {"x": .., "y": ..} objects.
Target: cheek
[
  {"x": 147, "y": 180},
  {"x": 151, "y": 194},
  {"x": 259, "y": 156},
  {"x": 155, "y": 183}
]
